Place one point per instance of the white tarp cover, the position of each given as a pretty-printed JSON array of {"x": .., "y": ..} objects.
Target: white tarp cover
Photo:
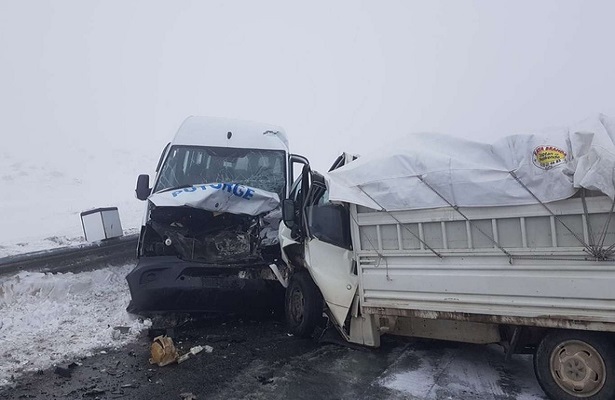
[
  {"x": 553, "y": 164},
  {"x": 219, "y": 197}
]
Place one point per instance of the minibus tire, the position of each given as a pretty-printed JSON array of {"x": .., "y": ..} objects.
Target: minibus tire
[{"x": 303, "y": 304}]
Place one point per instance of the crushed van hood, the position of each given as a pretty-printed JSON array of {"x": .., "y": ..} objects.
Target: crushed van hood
[{"x": 219, "y": 197}]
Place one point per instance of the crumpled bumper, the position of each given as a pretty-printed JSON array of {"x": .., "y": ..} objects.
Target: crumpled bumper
[{"x": 168, "y": 284}]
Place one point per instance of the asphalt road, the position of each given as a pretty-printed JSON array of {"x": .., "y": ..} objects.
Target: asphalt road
[
  {"x": 257, "y": 359},
  {"x": 84, "y": 257}
]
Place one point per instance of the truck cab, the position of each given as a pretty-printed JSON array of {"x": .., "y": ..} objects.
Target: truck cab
[{"x": 515, "y": 275}]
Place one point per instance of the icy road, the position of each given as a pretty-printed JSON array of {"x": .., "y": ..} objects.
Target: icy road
[{"x": 52, "y": 320}]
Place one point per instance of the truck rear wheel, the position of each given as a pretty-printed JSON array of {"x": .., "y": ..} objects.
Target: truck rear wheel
[
  {"x": 303, "y": 304},
  {"x": 572, "y": 365}
]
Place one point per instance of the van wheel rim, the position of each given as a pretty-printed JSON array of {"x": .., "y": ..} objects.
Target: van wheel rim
[
  {"x": 578, "y": 368},
  {"x": 297, "y": 304}
]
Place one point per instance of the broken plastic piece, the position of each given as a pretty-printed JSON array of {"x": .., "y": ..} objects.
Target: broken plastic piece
[
  {"x": 122, "y": 329},
  {"x": 129, "y": 385},
  {"x": 183, "y": 358},
  {"x": 278, "y": 274},
  {"x": 194, "y": 351},
  {"x": 163, "y": 351},
  {"x": 118, "y": 331}
]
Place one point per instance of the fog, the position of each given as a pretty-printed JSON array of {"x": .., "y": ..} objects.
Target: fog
[{"x": 81, "y": 79}]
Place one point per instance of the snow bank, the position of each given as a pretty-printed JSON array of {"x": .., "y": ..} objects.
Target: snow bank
[{"x": 46, "y": 319}]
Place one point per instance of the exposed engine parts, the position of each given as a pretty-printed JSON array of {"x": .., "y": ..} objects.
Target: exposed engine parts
[{"x": 204, "y": 236}]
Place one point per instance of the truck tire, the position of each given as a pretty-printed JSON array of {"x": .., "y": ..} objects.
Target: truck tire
[
  {"x": 572, "y": 365},
  {"x": 303, "y": 304}
]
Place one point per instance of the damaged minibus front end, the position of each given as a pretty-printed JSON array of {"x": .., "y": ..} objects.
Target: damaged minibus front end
[{"x": 209, "y": 240}]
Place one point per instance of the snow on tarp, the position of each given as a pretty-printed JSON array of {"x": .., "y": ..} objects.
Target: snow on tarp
[
  {"x": 219, "y": 197},
  {"x": 552, "y": 164}
]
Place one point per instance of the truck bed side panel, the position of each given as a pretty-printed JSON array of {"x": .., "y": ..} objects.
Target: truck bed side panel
[{"x": 550, "y": 280}]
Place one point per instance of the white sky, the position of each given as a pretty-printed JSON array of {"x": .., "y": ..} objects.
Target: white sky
[
  {"x": 90, "y": 91},
  {"x": 338, "y": 75}
]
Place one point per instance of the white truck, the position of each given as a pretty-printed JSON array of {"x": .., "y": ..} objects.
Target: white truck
[
  {"x": 209, "y": 240},
  {"x": 441, "y": 238}
]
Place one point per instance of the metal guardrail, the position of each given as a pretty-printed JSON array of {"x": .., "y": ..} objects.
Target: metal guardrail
[{"x": 74, "y": 259}]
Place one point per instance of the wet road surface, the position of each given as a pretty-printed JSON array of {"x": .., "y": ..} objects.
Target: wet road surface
[{"x": 257, "y": 359}]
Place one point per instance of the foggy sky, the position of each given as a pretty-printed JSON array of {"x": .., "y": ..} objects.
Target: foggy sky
[{"x": 337, "y": 75}]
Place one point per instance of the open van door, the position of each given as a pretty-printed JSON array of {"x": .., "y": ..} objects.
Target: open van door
[
  {"x": 321, "y": 230},
  {"x": 328, "y": 249}
]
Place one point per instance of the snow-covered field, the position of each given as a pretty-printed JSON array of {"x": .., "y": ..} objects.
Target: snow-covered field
[
  {"x": 47, "y": 319},
  {"x": 45, "y": 188}
]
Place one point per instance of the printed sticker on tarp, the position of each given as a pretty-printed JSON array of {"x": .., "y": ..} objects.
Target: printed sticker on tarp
[{"x": 547, "y": 157}]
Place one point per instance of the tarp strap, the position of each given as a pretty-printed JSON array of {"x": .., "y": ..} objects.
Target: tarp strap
[
  {"x": 417, "y": 237},
  {"x": 456, "y": 208},
  {"x": 594, "y": 252},
  {"x": 606, "y": 226},
  {"x": 598, "y": 250},
  {"x": 380, "y": 255},
  {"x": 608, "y": 252},
  {"x": 590, "y": 231}
]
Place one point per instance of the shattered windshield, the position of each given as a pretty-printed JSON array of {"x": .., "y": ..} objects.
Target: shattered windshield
[{"x": 191, "y": 165}]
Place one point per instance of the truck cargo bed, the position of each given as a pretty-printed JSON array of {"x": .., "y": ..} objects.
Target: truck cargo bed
[{"x": 522, "y": 265}]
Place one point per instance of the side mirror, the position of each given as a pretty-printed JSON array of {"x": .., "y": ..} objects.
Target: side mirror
[
  {"x": 288, "y": 212},
  {"x": 143, "y": 190}
]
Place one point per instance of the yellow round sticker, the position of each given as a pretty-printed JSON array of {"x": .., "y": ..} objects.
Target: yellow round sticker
[{"x": 547, "y": 157}]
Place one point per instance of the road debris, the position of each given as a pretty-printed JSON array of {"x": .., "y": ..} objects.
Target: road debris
[
  {"x": 63, "y": 372},
  {"x": 187, "y": 396},
  {"x": 163, "y": 351},
  {"x": 94, "y": 392},
  {"x": 264, "y": 380},
  {"x": 129, "y": 385},
  {"x": 119, "y": 331},
  {"x": 67, "y": 371},
  {"x": 193, "y": 352}
]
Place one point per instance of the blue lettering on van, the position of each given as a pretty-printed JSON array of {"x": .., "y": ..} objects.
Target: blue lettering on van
[
  {"x": 238, "y": 191},
  {"x": 234, "y": 188}
]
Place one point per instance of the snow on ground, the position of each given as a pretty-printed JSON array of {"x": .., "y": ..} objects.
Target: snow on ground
[
  {"x": 45, "y": 187},
  {"x": 47, "y": 319}
]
